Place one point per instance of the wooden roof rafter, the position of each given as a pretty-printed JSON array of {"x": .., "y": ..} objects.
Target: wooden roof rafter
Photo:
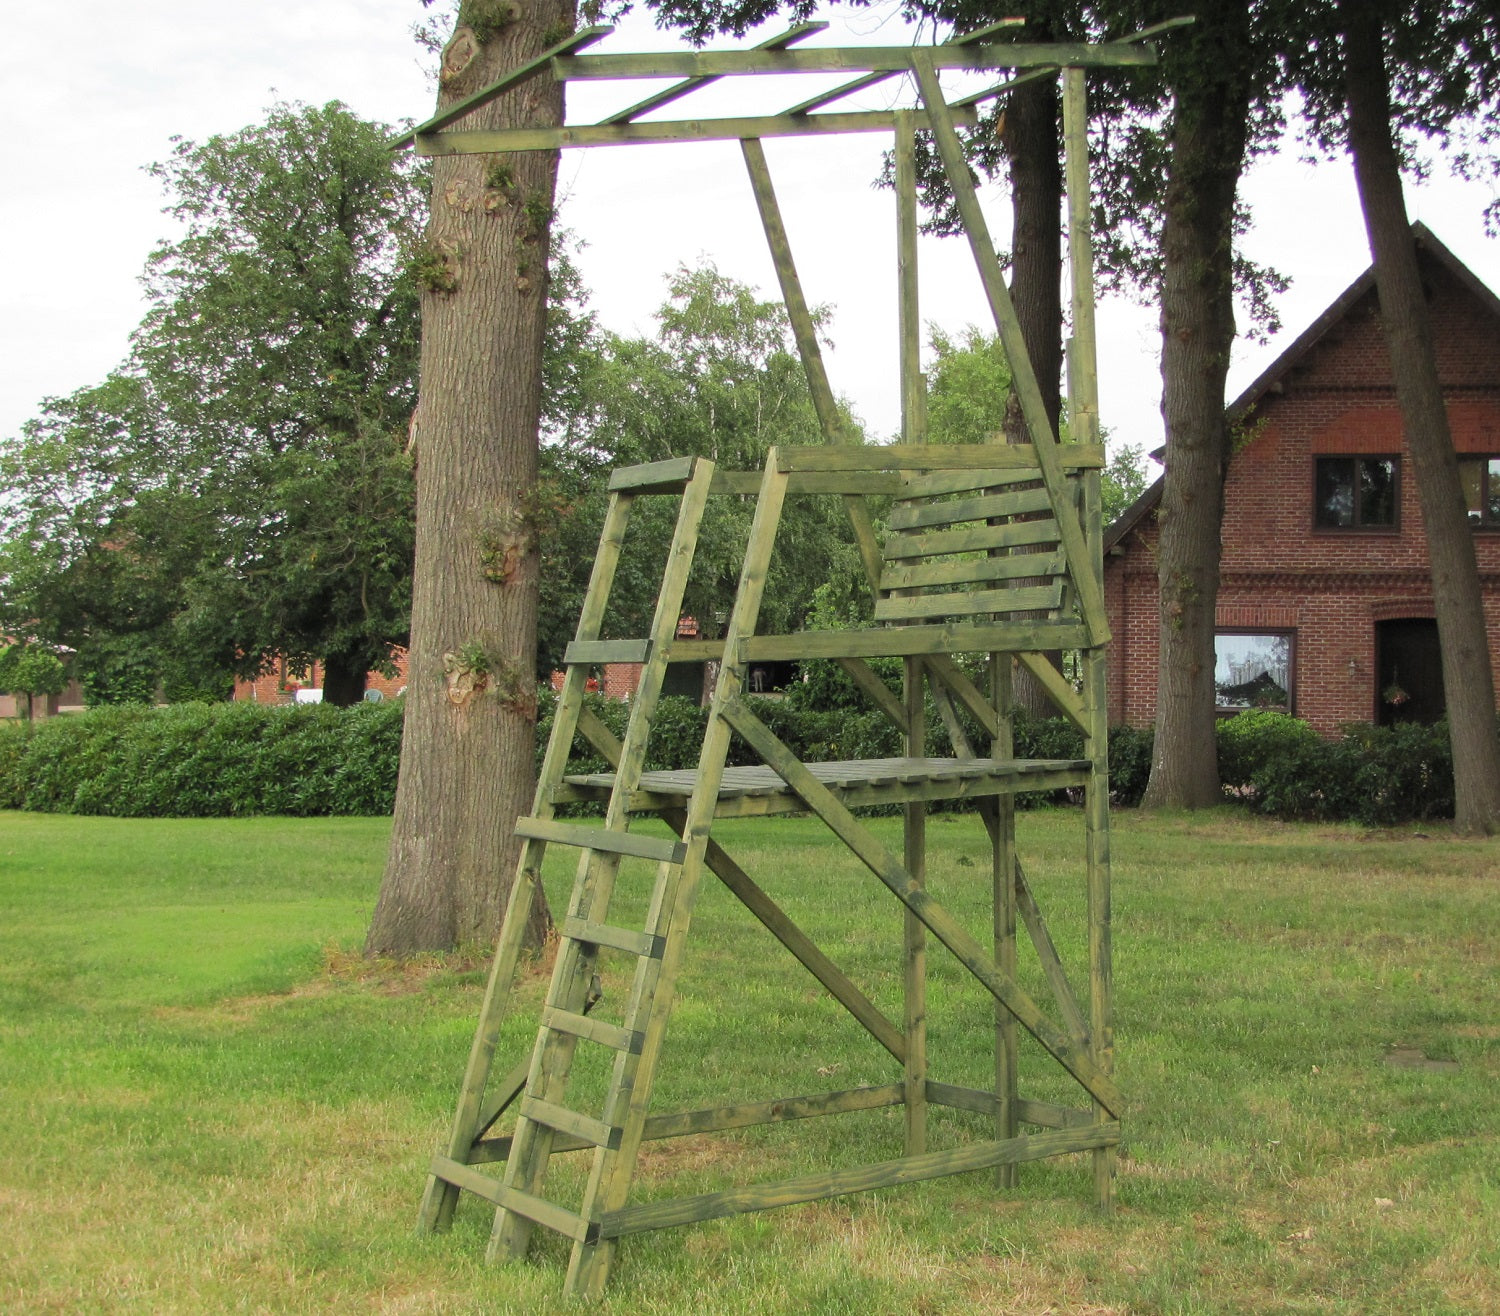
[{"x": 694, "y": 70}]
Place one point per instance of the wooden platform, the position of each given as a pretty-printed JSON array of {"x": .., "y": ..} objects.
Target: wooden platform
[{"x": 758, "y": 791}]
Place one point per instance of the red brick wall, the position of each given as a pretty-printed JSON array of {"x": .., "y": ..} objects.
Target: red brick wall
[
  {"x": 1330, "y": 587},
  {"x": 274, "y": 687}
]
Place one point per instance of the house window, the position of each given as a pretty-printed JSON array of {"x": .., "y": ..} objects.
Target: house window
[
  {"x": 1252, "y": 670},
  {"x": 1355, "y": 493},
  {"x": 1480, "y": 477}
]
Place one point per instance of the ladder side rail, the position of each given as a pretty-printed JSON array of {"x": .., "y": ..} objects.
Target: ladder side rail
[{"x": 441, "y": 1197}]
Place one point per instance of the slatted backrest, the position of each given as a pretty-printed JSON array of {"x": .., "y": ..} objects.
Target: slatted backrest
[{"x": 972, "y": 543}]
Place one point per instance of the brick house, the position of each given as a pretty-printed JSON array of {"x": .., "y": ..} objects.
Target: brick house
[
  {"x": 1325, "y": 603},
  {"x": 288, "y": 684}
]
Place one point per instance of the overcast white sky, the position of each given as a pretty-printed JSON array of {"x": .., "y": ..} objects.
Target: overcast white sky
[{"x": 92, "y": 94}]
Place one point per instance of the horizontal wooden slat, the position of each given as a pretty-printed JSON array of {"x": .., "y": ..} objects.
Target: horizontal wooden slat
[
  {"x": 557, "y": 1218},
  {"x": 846, "y": 59},
  {"x": 599, "y": 838},
  {"x": 626, "y": 939},
  {"x": 935, "y": 483},
  {"x": 971, "y": 570},
  {"x": 935, "y": 457},
  {"x": 974, "y": 539},
  {"x": 607, "y": 651},
  {"x": 653, "y": 477},
  {"x": 571, "y": 1121},
  {"x": 716, "y": 1119},
  {"x": 835, "y": 1183},
  {"x": 924, "y": 512},
  {"x": 916, "y": 607},
  {"x": 593, "y": 1030},
  {"x": 1049, "y": 1114},
  {"x": 897, "y": 641}
]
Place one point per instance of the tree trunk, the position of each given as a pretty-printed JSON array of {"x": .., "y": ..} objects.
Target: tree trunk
[
  {"x": 344, "y": 679},
  {"x": 1208, "y": 139},
  {"x": 1032, "y": 145},
  {"x": 467, "y": 755},
  {"x": 1456, "y": 594}
]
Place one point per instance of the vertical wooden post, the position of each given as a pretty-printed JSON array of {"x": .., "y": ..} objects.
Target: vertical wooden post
[
  {"x": 914, "y": 935},
  {"x": 913, "y": 383},
  {"x": 1003, "y": 884},
  {"x": 1083, "y": 411}
]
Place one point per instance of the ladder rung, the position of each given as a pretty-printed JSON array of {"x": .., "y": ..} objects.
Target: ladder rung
[
  {"x": 654, "y": 477},
  {"x": 595, "y": 1030},
  {"x": 626, "y": 939},
  {"x": 607, "y": 651},
  {"x": 599, "y": 838},
  {"x": 554, "y": 1217},
  {"x": 570, "y": 1121}
]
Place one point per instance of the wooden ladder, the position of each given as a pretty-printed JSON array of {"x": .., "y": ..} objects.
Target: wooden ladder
[{"x": 545, "y": 1120}]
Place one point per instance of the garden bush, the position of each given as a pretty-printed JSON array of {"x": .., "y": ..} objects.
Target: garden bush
[
  {"x": 218, "y": 760},
  {"x": 206, "y": 760}
]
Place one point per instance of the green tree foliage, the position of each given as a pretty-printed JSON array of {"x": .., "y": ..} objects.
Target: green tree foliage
[
  {"x": 967, "y": 383},
  {"x": 30, "y": 670},
  {"x": 240, "y": 487},
  {"x": 721, "y": 379}
]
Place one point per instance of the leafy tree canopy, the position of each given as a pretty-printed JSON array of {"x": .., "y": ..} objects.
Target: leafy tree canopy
[{"x": 720, "y": 379}]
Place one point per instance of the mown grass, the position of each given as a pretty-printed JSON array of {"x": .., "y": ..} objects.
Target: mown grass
[{"x": 209, "y": 1102}]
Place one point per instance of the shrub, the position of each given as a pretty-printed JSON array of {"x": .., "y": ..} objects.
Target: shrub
[{"x": 207, "y": 760}]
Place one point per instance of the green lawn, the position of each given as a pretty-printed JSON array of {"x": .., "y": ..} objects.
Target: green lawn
[{"x": 209, "y": 1103}]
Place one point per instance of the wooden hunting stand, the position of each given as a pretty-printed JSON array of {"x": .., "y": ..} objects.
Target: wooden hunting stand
[{"x": 991, "y": 554}]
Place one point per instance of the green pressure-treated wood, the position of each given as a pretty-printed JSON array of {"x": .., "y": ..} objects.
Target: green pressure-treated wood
[
  {"x": 871, "y": 79},
  {"x": 913, "y": 515},
  {"x": 669, "y": 476},
  {"x": 515, "y": 78},
  {"x": 599, "y": 838},
  {"x": 1057, "y": 687},
  {"x": 909, "y": 309},
  {"x": 836, "y": 1183},
  {"x": 939, "y": 922},
  {"x": 928, "y": 458},
  {"x": 843, "y": 59},
  {"x": 971, "y": 570},
  {"x": 874, "y": 688},
  {"x": 898, "y": 641},
  {"x": 744, "y": 1115},
  {"x": 654, "y": 102},
  {"x": 573, "y": 972},
  {"x": 919, "y": 607},
  {"x": 970, "y": 541},
  {"x": 806, "y": 334},
  {"x": 914, "y": 936},
  {"x": 654, "y": 133},
  {"x": 957, "y": 681},
  {"x": 1043, "y": 440}
]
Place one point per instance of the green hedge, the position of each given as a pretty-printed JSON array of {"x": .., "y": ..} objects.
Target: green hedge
[
  {"x": 218, "y": 760},
  {"x": 1373, "y": 775},
  {"x": 206, "y": 760}
]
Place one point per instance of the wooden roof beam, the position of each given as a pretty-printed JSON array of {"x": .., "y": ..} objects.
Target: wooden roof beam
[{"x": 654, "y": 102}]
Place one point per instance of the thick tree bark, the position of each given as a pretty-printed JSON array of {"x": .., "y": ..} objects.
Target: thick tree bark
[
  {"x": 467, "y": 753},
  {"x": 1211, "y": 85},
  {"x": 1456, "y": 594},
  {"x": 1032, "y": 147}
]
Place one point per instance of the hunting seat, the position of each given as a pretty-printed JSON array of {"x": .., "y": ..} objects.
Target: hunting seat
[{"x": 989, "y": 562}]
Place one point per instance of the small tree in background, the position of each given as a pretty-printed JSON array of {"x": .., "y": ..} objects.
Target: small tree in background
[{"x": 30, "y": 670}]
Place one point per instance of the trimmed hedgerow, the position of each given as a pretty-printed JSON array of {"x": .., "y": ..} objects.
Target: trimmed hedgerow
[
  {"x": 219, "y": 760},
  {"x": 207, "y": 760}
]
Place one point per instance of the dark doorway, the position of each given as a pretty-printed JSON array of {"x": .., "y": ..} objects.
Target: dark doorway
[{"x": 1410, "y": 667}]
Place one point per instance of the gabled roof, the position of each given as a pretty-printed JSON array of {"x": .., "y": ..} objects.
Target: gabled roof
[{"x": 1301, "y": 346}]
